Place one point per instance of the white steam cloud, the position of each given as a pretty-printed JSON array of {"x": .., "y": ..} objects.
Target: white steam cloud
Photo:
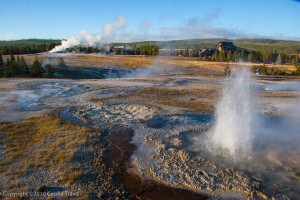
[
  {"x": 111, "y": 27},
  {"x": 88, "y": 39},
  {"x": 72, "y": 41}
]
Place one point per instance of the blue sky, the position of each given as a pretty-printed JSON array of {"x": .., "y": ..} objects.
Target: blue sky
[{"x": 151, "y": 20}]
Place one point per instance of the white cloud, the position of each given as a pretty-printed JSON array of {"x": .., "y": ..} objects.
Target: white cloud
[
  {"x": 8, "y": 36},
  {"x": 145, "y": 25}
]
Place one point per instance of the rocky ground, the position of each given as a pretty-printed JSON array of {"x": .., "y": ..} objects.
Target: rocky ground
[{"x": 127, "y": 138}]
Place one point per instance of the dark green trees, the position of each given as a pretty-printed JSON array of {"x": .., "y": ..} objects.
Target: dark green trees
[
  {"x": 36, "y": 68},
  {"x": 222, "y": 56},
  {"x": 49, "y": 70},
  {"x": 279, "y": 59},
  {"x": 13, "y": 66},
  {"x": 1, "y": 65},
  {"x": 62, "y": 64},
  {"x": 23, "y": 66},
  {"x": 147, "y": 49},
  {"x": 229, "y": 56},
  {"x": 295, "y": 60},
  {"x": 29, "y": 46}
]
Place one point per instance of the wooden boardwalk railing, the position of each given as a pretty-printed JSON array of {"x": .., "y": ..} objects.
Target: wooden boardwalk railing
[{"x": 273, "y": 77}]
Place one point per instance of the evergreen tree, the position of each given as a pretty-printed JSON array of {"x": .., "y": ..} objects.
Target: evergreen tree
[
  {"x": 49, "y": 70},
  {"x": 62, "y": 64},
  {"x": 12, "y": 58},
  {"x": 279, "y": 59},
  {"x": 297, "y": 71},
  {"x": 1, "y": 60},
  {"x": 7, "y": 61},
  {"x": 235, "y": 56},
  {"x": 265, "y": 56},
  {"x": 1, "y": 65},
  {"x": 36, "y": 68},
  {"x": 295, "y": 60},
  {"x": 222, "y": 56},
  {"x": 24, "y": 67},
  {"x": 229, "y": 56},
  {"x": 13, "y": 66},
  {"x": 250, "y": 56},
  {"x": 242, "y": 55},
  {"x": 215, "y": 56}
]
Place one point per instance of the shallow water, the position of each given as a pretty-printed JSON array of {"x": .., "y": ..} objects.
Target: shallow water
[{"x": 280, "y": 86}]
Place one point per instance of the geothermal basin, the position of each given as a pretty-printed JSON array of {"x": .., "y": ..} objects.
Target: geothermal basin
[{"x": 224, "y": 137}]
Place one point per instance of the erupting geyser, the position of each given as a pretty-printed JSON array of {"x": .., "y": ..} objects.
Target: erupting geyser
[{"x": 235, "y": 118}]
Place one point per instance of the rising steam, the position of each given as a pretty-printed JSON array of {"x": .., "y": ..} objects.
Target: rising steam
[{"x": 88, "y": 39}]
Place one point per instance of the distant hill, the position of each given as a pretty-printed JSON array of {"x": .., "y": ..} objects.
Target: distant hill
[
  {"x": 268, "y": 44},
  {"x": 251, "y": 44},
  {"x": 29, "y": 46}
]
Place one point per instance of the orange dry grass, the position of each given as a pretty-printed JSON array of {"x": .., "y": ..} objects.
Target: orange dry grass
[{"x": 133, "y": 62}]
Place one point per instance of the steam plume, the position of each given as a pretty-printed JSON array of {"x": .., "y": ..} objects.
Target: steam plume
[
  {"x": 111, "y": 27},
  {"x": 88, "y": 39},
  {"x": 71, "y": 42}
]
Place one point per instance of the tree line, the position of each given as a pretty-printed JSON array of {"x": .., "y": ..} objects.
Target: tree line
[
  {"x": 30, "y": 46},
  {"x": 255, "y": 57},
  {"x": 134, "y": 49},
  {"x": 16, "y": 66}
]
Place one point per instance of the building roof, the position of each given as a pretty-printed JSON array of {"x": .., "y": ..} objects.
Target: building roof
[{"x": 225, "y": 46}]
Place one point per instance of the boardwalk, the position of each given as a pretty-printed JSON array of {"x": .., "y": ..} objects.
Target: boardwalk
[{"x": 274, "y": 77}]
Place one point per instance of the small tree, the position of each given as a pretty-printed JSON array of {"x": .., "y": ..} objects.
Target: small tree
[
  {"x": 13, "y": 66},
  {"x": 250, "y": 56},
  {"x": 222, "y": 56},
  {"x": 49, "y": 70},
  {"x": 279, "y": 59},
  {"x": 23, "y": 66},
  {"x": 1, "y": 60},
  {"x": 62, "y": 64},
  {"x": 36, "y": 68},
  {"x": 297, "y": 71},
  {"x": 1, "y": 65},
  {"x": 265, "y": 56},
  {"x": 235, "y": 56},
  {"x": 7, "y": 61},
  {"x": 295, "y": 60},
  {"x": 242, "y": 57},
  {"x": 229, "y": 56},
  {"x": 215, "y": 56}
]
